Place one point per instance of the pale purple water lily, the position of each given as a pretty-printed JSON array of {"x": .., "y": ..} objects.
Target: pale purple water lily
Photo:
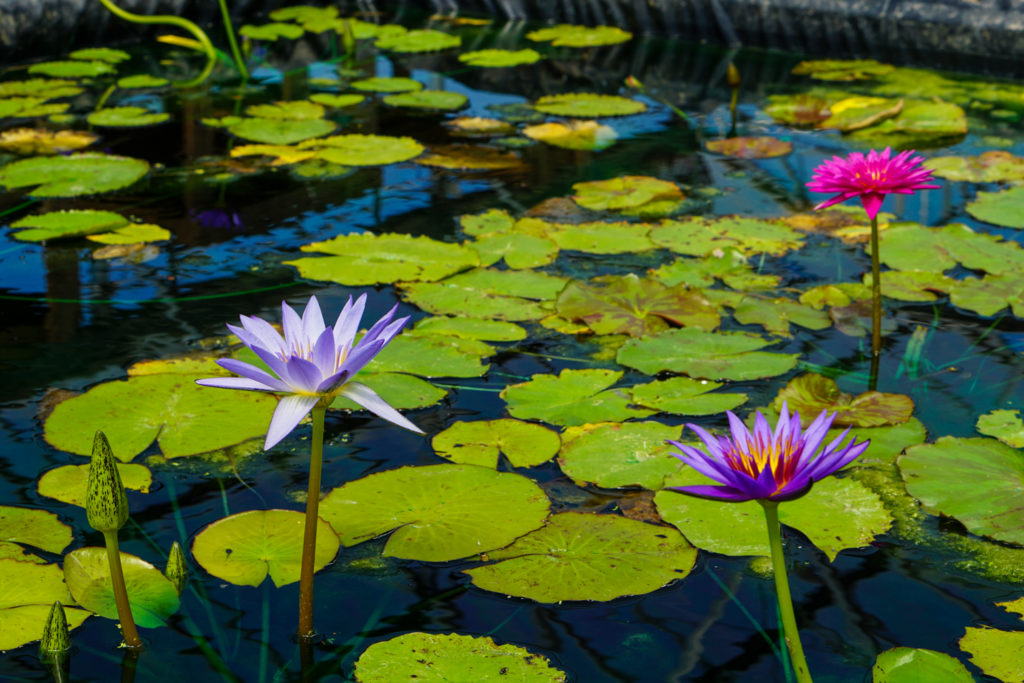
[
  {"x": 313, "y": 362},
  {"x": 762, "y": 465}
]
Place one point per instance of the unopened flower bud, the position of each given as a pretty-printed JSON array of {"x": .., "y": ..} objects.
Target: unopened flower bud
[
  {"x": 634, "y": 83},
  {"x": 106, "y": 505},
  {"x": 732, "y": 76},
  {"x": 56, "y": 639},
  {"x": 176, "y": 570}
]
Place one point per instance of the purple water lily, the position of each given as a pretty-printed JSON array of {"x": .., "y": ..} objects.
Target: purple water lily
[
  {"x": 312, "y": 363},
  {"x": 760, "y": 465}
]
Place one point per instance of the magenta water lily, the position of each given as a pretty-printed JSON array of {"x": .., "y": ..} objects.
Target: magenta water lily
[
  {"x": 312, "y": 362},
  {"x": 870, "y": 177},
  {"x": 765, "y": 465}
]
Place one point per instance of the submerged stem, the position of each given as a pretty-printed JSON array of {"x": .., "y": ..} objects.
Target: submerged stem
[
  {"x": 792, "y": 635},
  {"x": 232, "y": 41},
  {"x": 124, "y": 610},
  {"x": 312, "y": 516}
]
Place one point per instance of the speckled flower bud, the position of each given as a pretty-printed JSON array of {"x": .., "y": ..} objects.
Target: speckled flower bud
[
  {"x": 177, "y": 570},
  {"x": 105, "y": 502},
  {"x": 56, "y": 639},
  {"x": 732, "y": 76}
]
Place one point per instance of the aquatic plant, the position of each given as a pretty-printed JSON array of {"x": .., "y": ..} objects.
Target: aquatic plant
[{"x": 770, "y": 467}]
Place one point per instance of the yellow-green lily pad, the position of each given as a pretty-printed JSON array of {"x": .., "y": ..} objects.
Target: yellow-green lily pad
[
  {"x": 810, "y": 394},
  {"x": 399, "y": 390},
  {"x": 469, "y": 328},
  {"x": 588, "y": 105},
  {"x": 126, "y": 117},
  {"x": 29, "y": 107},
  {"x": 72, "y": 176},
  {"x": 920, "y": 124},
  {"x": 25, "y": 623},
  {"x": 777, "y": 316},
  {"x": 151, "y": 595},
  {"x": 271, "y": 31},
  {"x": 72, "y": 69},
  {"x": 916, "y": 665},
  {"x": 39, "y": 141},
  {"x": 617, "y": 455},
  {"x": 990, "y": 294},
  {"x": 753, "y": 147},
  {"x": 34, "y": 527},
  {"x": 439, "y": 100},
  {"x": 66, "y": 224},
  {"x": 909, "y": 247},
  {"x": 1004, "y": 425},
  {"x": 571, "y": 35},
  {"x": 337, "y": 101},
  {"x": 280, "y": 131},
  {"x": 68, "y": 483},
  {"x": 599, "y": 237},
  {"x": 727, "y": 265},
  {"x": 572, "y": 397},
  {"x": 479, "y": 443},
  {"x": 133, "y": 233},
  {"x": 518, "y": 250},
  {"x": 103, "y": 54},
  {"x": 45, "y": 88},
  {"x": 998, "y": 653},
  {"x": 365, "y": 150},
  {"x": 432, "y": 356},
  {"x": 1004, "y": 207},
  {"x": 141, "y": 81},
  {"x": 294, "y": 110},
  {"x": 487, "y": 293},
  {"x": 842, "y": 69},
  {"x": 418, "y": 40},
  {"x": 685, "y": 396},
  {"x": 698, "y": 236},
  {"x": 994, "y": 166},
  {"x": 706, "y": 355},
  {"x": 582, "y": 135},
  {"x": 387, "y": 84},
  {"x": 499, "y": 58},
  {"x": 623, "y": 192}
]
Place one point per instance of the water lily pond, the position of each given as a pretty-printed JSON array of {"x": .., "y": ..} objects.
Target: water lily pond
[{"x": 594, "y": 252}]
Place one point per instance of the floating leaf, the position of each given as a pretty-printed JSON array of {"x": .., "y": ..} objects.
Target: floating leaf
[
  {"x": 478, "y": 443},
  {"x": 921, "y": 123},
  {"x": 887, "y": 443},
  {"x": 418, "y": 40},
  {"x": 685, "y": 396},
  {"x": 134, "y": 233},
  {"x": 599, "y": 237},
  {"x": 152, "y": 597},
  {"x": 499, "y": 58},
  {"x": 579, "y": 556},
  {"x": 366, "y": 259},
  {"x": 487, "y": 223},
  {"x": 842, "y": 69},
  {"x": 994, "y": 166},
  {"x": 588, "y": 105},
  {"x": 246, "y": 547},
  {"x": 758, "y": 147},
  {"x": 72, "y": 176},
  {"x": 518, "y": 250},
  {"x": 1004, "y": 425},
  {"x": 477, "y": 126},
  {"x": 810, "y": 394},
  {"x": 136, "y": 411},
  {"x": 365, "y": 150},
  {"x": 613, "y": 455},
  {"x": 432, "y": 356},
  {"x": 25, "y": 623},
  {"x": 1015, "y": 606},
  {"x": 698, "y": 236},
  {"x": 990, "y": 294},
  {"x": 438, "y": 513},
  {"x": 272, "y": 31},
  {"x": 470, "y": 158},
  {"x": 280, "y": 131},
  {"x": 573, "y": 397},
  {"x": 912, "y": 665},
  {"x": 623, "y": 192},
  {"x": 39, "y": 141},
  {"x": 626, "y": 304},
  {"x": 775, "y": 315},
  {"x": 387, "y": 84},
  {"x": 913, "y": 285},
  {"x": 33, "y": 527},
  {"x": 977, "y": 481},
  {"x": 469, "y": 328},
  {"x": 706, "y": 355},
  {"x": 29, "y": 107},
  {"x": 440, "y": 100},
  {"x": 486, "y": 293},
  {"x": 801, "y": 109},
  {"x": 727, "y": 265},
  {"x": 68, "y": 483},
  {"x": 45, "y": 88},
  {"x": 71, "y": 69},
  {"x": 452, "y": 657},
  {"x": 909, "y": 246},
  {"x": 141, "y": 81},
  {"x": 102, "y": 54},
  {"x": 999, "y": 654},
  {"x": 337, "y": 101},
  {"x": 854, "y": 113},
  {"x": 295, "y": 110},
  {"x": 66, "y": 224},
  {"x": 400, "y": 391},
  {"x": 1005, "y": 207},
  {"x": 583, "y": 135},
  {"x": 283, "y": 154},
  {"x": 569, "y": 35}
]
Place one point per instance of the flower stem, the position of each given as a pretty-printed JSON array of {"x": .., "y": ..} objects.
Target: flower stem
[
  {"x": 792, "y": 635},
  {"x": 876, "y": 293},
  {"x": 312, "y": 517},
  {"x": 229, "y": 29},
  {"x": 124, "y": 610}
]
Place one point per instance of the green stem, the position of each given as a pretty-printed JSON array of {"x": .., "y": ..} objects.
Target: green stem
[
  {"x": 792, "y": 635},
  {"x": 312, "y": 517},
  {"x": 876, "y": 308},
  {"x": 124, "y": 610},
  {"x": 229, "y": 29}
]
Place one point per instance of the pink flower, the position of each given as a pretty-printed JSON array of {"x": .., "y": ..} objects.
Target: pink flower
[{"x": 870, "y": 177}]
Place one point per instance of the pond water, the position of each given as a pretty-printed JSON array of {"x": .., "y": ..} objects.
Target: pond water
[{"x": 76, "y": 318}]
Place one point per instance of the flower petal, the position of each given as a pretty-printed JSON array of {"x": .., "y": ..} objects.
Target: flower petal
[
  {"x": 234, "y": 383},
  {"x": 368, "y": 398},
  {"x": 301, "y": 375},
  {"x": 292, "y": 324},
  {"x": 727, "y": 493},
  {"x": 325, "y": 353},
  {"x": 872, "y": 203},
  {"x": 312, "y": 319},
  {"x": 360, "y": 356},
  {"x": 265, "y": 332},
  {"x": 348, "y": 323},
  {"x": 252, "y": 372},
  {"x": 288, "y": 414}
]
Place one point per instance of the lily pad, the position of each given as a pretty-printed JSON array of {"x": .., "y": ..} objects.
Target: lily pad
[
  {"x": 1005, "y": 207},
  {"x": 573, "y": 397},
  {"x": 399, "y": 390},
  {"x": 854, "y": 113},
  {"x": 245, "y": 548},
  {"x": 66, "y": 224},
  {"x": 580, "y": 556},
  {"x": 629, "y": 305},
  {"x": 802, "y": 109},
  {"x": 698, "y": 236},
  {"x": 990, "y": 294},
  {"x": 387, "y": 84},
  {"x": 68, "y": 483},
  {"x": 72, "y": 69},
  {"x": 451, "y": 657},
  {"x": 518, "y": 250},
  {"x": 439, "y": 100},
  {"x": 432, "y": 356},
  {"x": 499, "y": 58},
  {"x": 570, "y": 35},
  {"x": 582, "y": 135},
  {"x": 25, "y": 623},
  {"x": 103, "y": 54},
  {"x": 727, "y": 265},
  {"x": 133, "y": 233},
  {"x": 887, "y": 443},
  {"x": 44, "y": 88},
  {"x": 921, "y": 124},
  {"x": 757, "y": 147},
  {"x": 365, "y": 150},
  {"x": 613, "y": 455},
  {"x": 1004, "y": 425},
  {"x": 913, "y": 665},
  {"x": 999, "y": 654},
  {"x": 775, "y": 315},
  {"x": 994, "y": 166},
  {"x": 29, "y": 107},
  {"x": 810, "y": 394},
  {"x": 909, "y": 247},
  {"x": 141, "y": 81},
  {"x": 462, "y": 157},
  {"x": 366, "y": 259},
  {"x": 126, "y": 117},
  {"x": 479, "y": 443},
  {"x": 706, "y": 355},
  {"x": 685, "y": 396},
  {"x": 487, "y": 223},
  {"x": 588, "y": 105},
  {"x": 283, "y": 155},
  {"x": 418, "y": 40},
  {"x": 486, "y": 293},
  {"x": 623, "y": 192},
  {"x": 977, "y": 481},
  {"x": 151, "y": 595},
  {"x": 599, "y": 237},
  {"x": 842, "y": 69},
  {"x": 272, "y": 31},
  {"x": 280, "y": 131},
  {"x": 39, "y": 141},
  {"x": 37, "y": 528},
  {"x": 337, "y": 101},
  {"x": 438, "y": 513},
  {"x": 72, "y": 176},
  {"x": 478, "y": 126},
  {"x": 295, "y": 110}
]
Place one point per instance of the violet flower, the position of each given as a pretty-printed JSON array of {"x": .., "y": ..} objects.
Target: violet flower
[{"x": 311, "y": 363}]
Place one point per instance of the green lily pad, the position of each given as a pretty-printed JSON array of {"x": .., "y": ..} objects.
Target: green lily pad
[
  {"x": 994, "y": 166},
  {"x": 685, "y": 396},
  {"x": 432, "y": 356},
  {"x": 465, "y": 157},
  {"x": 295, "y": 110},
  {"x": 418, "y": 40},
  {"x": 990, "y": 294},
  {"x": 29, "y": 107},
  {"x": 438, "y": 513},
  {"x": 141, "y": 81},
  {"x": 921, "y": 123},
  {"x": 573, "y": 397},
  {"x": 469, "y": 328},
  {"x": 623, "y": 192},
  {"x": 183, "y": 417},
  {"x": 72, "y": 69},
  {"x": 775, "y": 315},
  {"x": 399, "y": 390},
  {"x": 499, "y": 58},
  {"x": 518, "y": 250},
  {"x": 37, "y": 528},
  {"x": 756, "y": 147},
  {"x": 366, "y": 259},
  {"x": 283, "y": 155},
  {"x": 835, "y": 515},
  {"x": 133, "y": 233},
  {"x": 612, "y": 304},
  {"x": 27, "y": 583},
  {"x": 25, "y": 623},
  {"x": 272, "y": 31},
  {"x": 68, "y": 483},
  {"x": 977, "y": 481},
  {"x": 999, "y": 654},
  {"x": 280, "y": 131},
  {"x": 245, "y": 548},
  {"x": 1005, "y": 207},
  {"x": 489, "y": 222},
  {"x": 13, "y": 551},
  {"x": 887, "y": 443},
  {"x": 72, "y": 176},
  {"x": 593, "y": 238},
  {"x": 913, "y": 665},
  {"x": 66, "y": 224},
  {"x": 1004, "y": 425},
  {"x": 1014, "y": 606},
  {"x": 810, "y": 394},
  {"x": 479, "y": 443},
  {"x": 854, "y": 113},
  {"x": 802, "y": 109},
  {"x": 588, "y": 105},
  {"x": 102, "y": 54},
  {"x": 440, "y": 100},
  {"x": 909, "y": 246},
  {"x": 451, "y": 657},
  {"x": 486, "y": 293},
  {"x": 151, "y": 595},
  {"x": 613, "y": 455},
  {"x": 581, "y": 135},
  {"x": 337, "y": 101},
  {"x": 387, "y": 84},
  {"x": 365, "y": 150},
  {"x": 727, "y": 265},
  {"x": 913, "y": 285},
  {"x": 842, "y": 69},
  {"x": 44, "y": 88},
  {"x": 706, "y": 355},
  {"x": 580, "y": 556},
  {"x": 569, "y": 35},
  {"x": 698, "y": 236}
]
